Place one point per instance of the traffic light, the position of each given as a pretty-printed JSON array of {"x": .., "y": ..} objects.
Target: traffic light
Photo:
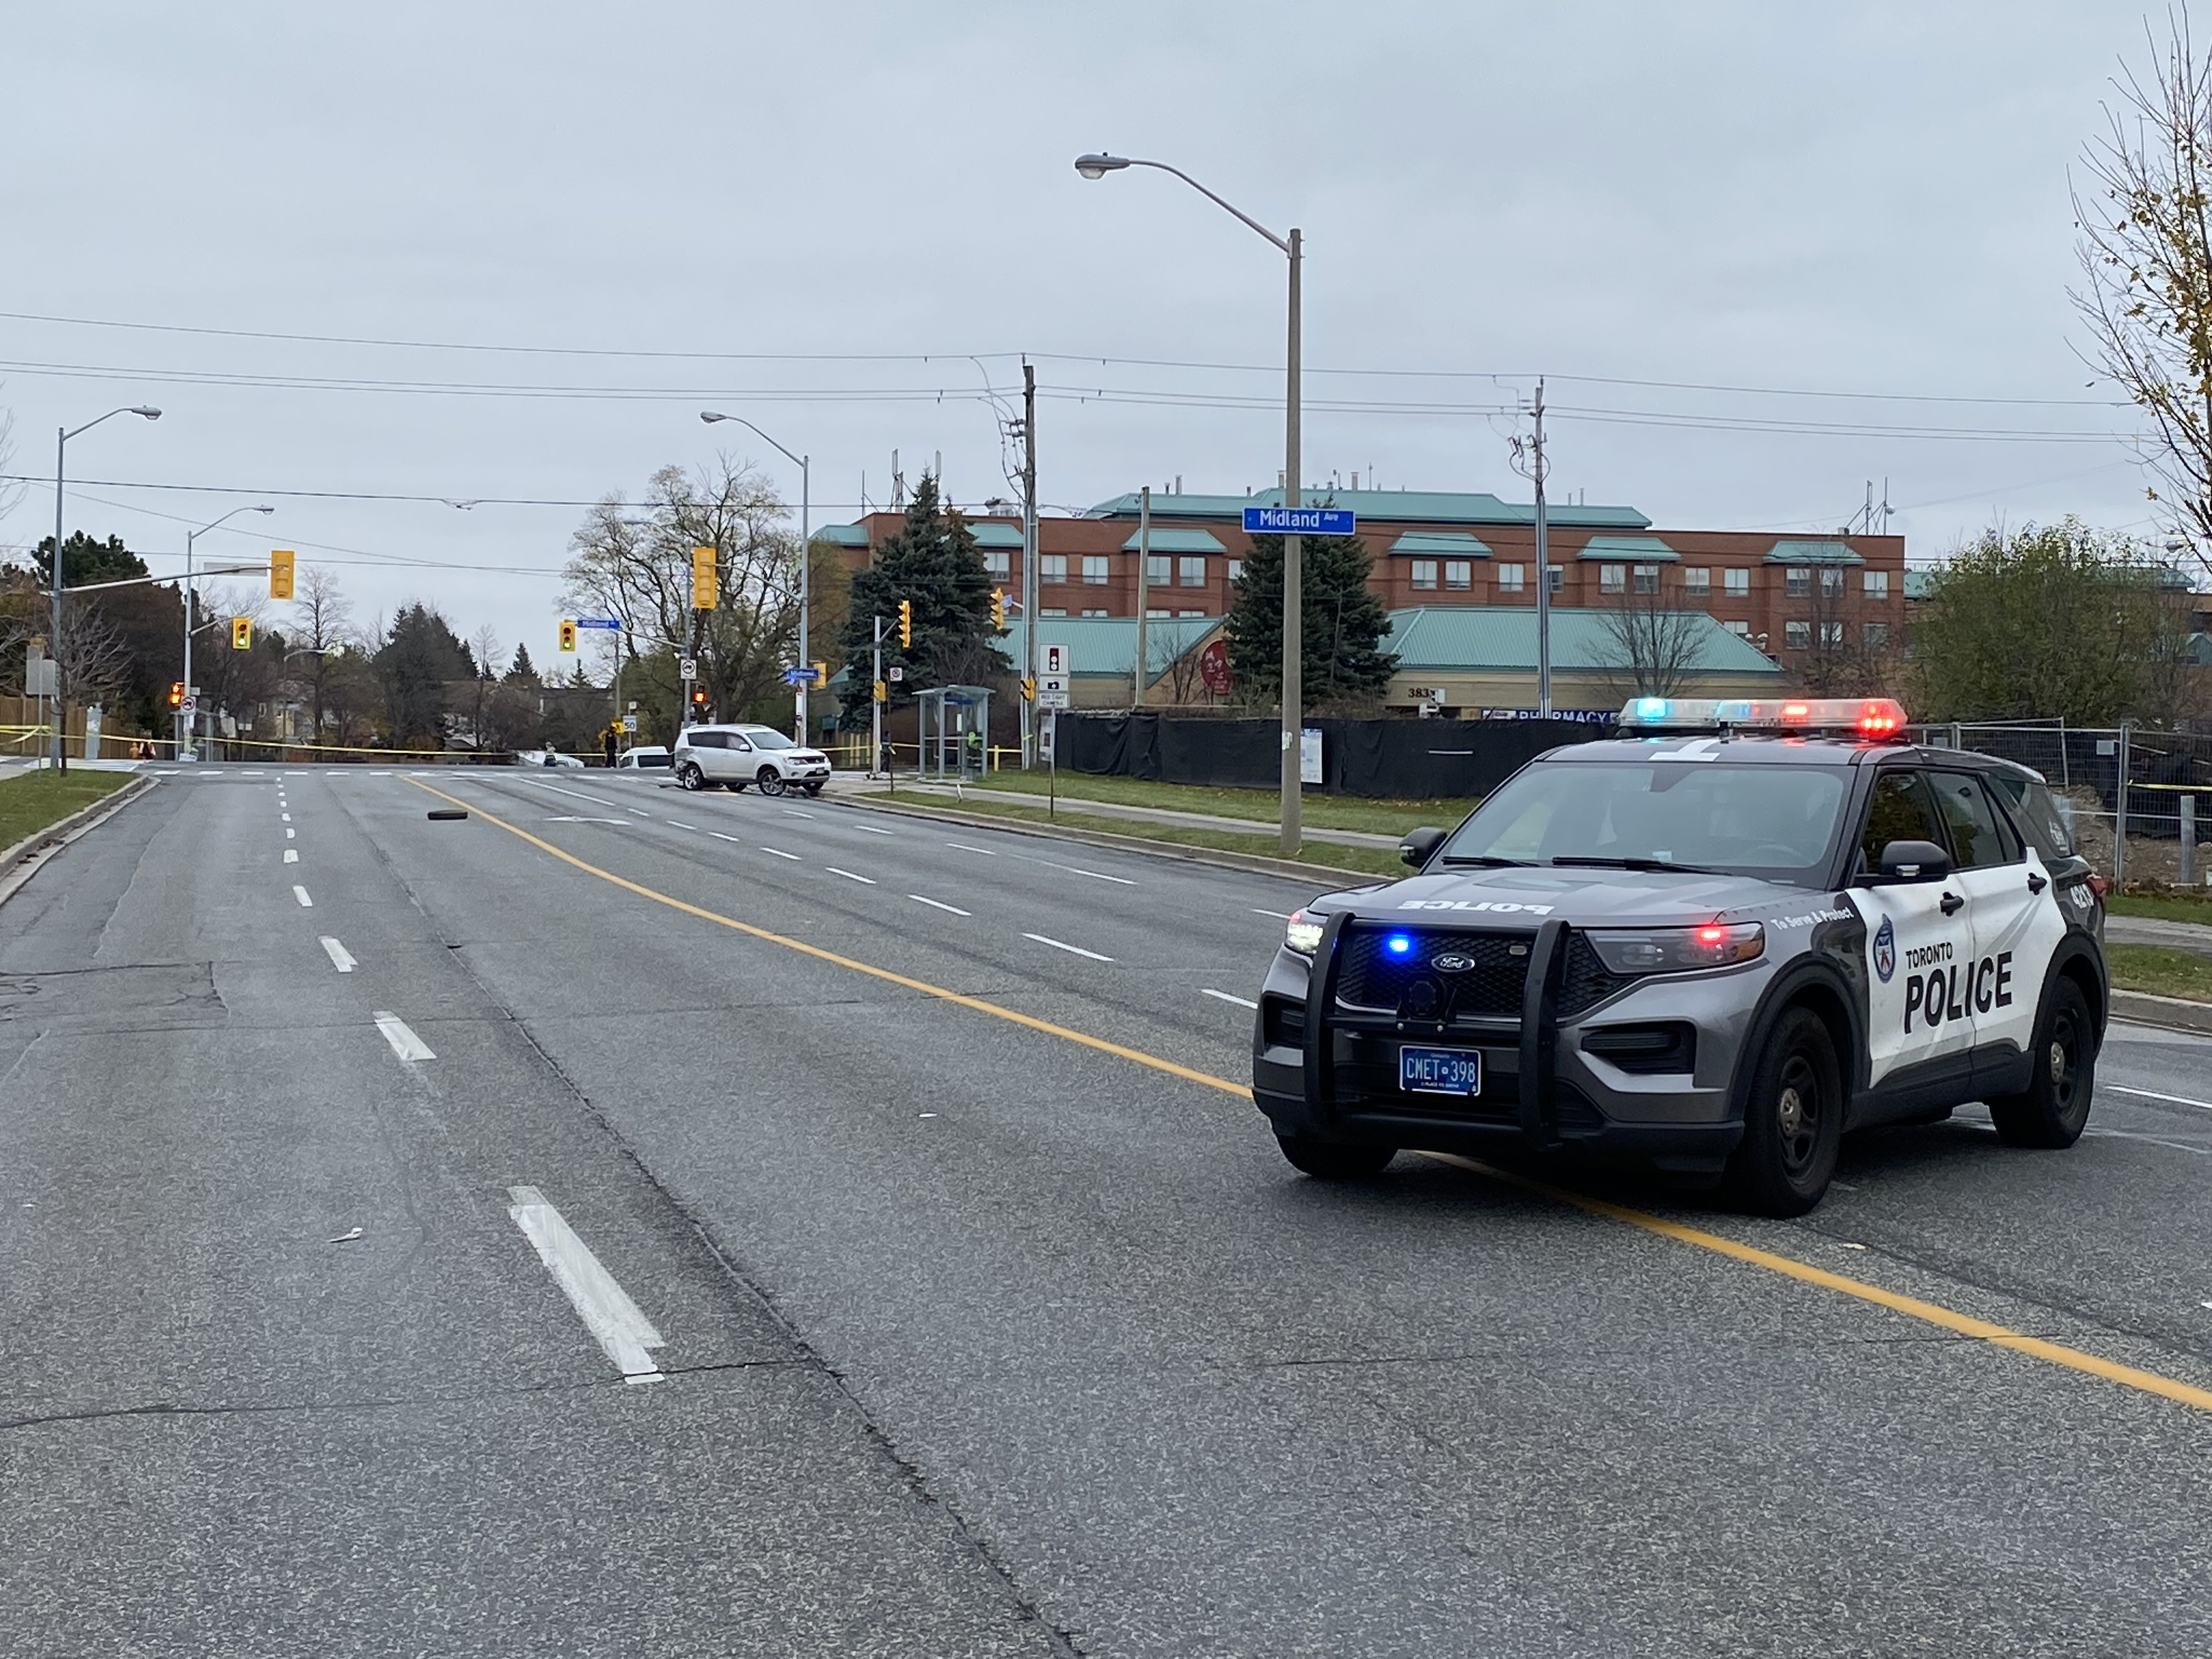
[
  {"x": 883, "y": 692},
  {"x": 567, "y": 635},
  {"x": 241, "y": 633},
  {"x": 906, "y": 624},
  {"x": 176, "y": 694},
  {"x": 279, "y": 573},
  {"x": 1029, "y": 689},
  {"x": 704, "y": 589},
  {"x": 699, "y": 703},
  {"x": 998, "y": 607}
]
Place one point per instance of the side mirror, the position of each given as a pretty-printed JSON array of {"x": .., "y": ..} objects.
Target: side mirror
[
  {"x": 1915, "y": 860},
  {"x": 1420, "y": 845}
]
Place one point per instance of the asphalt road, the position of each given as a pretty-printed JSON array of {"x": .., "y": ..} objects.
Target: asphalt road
[{"x": 967, "y": 1315}]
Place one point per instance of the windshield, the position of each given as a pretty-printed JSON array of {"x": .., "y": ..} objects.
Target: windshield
[
  {"x": 763, "y": 737},
  {"x": 1773, "y": 822}
]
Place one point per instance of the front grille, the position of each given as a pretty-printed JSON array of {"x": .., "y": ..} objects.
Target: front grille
[
  {"x": 1369, "y": 976},
  {"x": 1585, "y": 981}
]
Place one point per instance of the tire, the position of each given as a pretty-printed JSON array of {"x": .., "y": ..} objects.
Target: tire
[
  {"x": 812, "y": 790},
  {"x": 689, "y": 775},
  {"x": 1336, "y": 1160},
  {"x": 771, "y": 780},
  {"x": 1792, "y": 1120},
  {"x": 2052, "y": 1112}
]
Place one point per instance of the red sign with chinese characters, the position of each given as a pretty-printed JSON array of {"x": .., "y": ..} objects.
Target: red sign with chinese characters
[{"x": 1213, "y": 667}]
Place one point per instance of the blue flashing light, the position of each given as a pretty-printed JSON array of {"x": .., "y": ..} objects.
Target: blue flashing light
[
  {"x": 1399, "y": 944},
  {"x": 1652, "y": 708}
]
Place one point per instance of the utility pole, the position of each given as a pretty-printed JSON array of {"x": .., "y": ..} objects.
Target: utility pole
[
  {"x": 876, "y": 706},
  {"x": 1543, "y": 573},
  {"x": 1029, "y": 562},
  {"x": 1293, "y": 586},
  {"x": 1144, "y": 590}
]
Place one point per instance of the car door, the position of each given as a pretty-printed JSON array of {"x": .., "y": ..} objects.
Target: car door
[
  {"x": 1918, "y": 936},
  {"x": 2017, "y": 924}
]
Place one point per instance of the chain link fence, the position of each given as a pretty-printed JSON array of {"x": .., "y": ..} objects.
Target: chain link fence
[{"x": 2140, "y": 800}]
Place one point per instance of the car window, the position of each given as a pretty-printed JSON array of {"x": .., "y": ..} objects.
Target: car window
[
  {"x": 652, "y": 760},
  {"x": 731, "y": 740},
  {"x": 769, "y": 738},
  {"x": 1976, "y": 842},
  {"x": 2047, "y": 822},
  {"x": 1901, "y": 811},
  {"x": 1773, "y": 820}
]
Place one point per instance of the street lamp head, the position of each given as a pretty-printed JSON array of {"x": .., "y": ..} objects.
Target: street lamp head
[
  {"x": 148, "y": 410},
  {"x": 710, "y": 416},
  {"x": 1097, "y": 166},
  {"x": 264, "y": 509}
]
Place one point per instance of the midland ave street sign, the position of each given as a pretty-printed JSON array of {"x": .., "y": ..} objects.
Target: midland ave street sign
[
  {"x": 1300, "y": 522},
  {"x": 611, "y": 624}
]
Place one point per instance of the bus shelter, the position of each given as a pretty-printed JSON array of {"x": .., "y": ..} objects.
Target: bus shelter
[{"x": 956, "y": 728}]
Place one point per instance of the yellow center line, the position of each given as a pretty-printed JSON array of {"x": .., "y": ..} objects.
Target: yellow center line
[
  {"x": 978, "y": 1004},
  {"x": 1944, "y": 1318}
]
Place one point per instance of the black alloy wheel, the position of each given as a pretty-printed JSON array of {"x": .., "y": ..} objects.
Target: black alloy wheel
[
  {"x": 2054, "y": 1109},
  {"x": 1792, "y": 1120}
]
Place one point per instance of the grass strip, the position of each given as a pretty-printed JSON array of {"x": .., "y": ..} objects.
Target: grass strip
[
  {"x": 2161, "y": 907},
  {"x": 1356, "y": 860},
  {"x": 30, "y": 801},
  {"x": 2161, "y": 972},
  {"x": 1381, "y": 817}
]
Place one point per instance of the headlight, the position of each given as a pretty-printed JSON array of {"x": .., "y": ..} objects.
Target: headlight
[
  {"x": 1303, "y": 934},
  {"x": 1677, "y": 950}
]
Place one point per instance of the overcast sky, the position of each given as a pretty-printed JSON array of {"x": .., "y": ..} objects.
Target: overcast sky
[{"x": 796, "y": 204}]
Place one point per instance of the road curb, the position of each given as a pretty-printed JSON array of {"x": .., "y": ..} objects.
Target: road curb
[
  {"x": 1250, "y": 864},
  {"x": 2175, "y": 1013},
  {"x": 19, "y": 863}
]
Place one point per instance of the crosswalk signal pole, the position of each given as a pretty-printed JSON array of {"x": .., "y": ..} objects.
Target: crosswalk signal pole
[{"x": 876, "y": 706}]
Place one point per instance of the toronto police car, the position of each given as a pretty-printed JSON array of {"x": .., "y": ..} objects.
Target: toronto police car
[{"x": 1715, "y": 944}]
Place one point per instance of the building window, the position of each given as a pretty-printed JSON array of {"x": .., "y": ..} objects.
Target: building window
[
  {"x": 1190, "y": 613},
  {"x": 1053, "y": 568},
  {"x": 1156, "y": 616},
  {"x": 1736, "y": 584},
  {"x": 1798, "y": 635},
  {"x": 1647, "y": 578},
  {"x": 1047, "y": 611},
  {"x": 997, "y": 565},
  {"x": 1424, "y": 573},
  {"x": 1459, "y": 573},
  {"x": 1832, "y": 582},
  {"x": 1559, "y": 577},
  {"x": 1094, "y": 569},
  {"x": 1831, "y": 634},
  {"x": 1875, "y": 635},
  {"x": 1698, "y": 582},
  {"x": 1100, "y": 612},
  {"x": 1740, "y": 629},
  {"x": 1613, "y": 579},
  {"x": 1510, "y": 577},
  {"x": 1236, "y": 570},
  {"x": 1877, "y": 584},
  {"x": 1191, "y": 571},
  {"x": 1798, "y": 582},
  {"x": 1155, "y": 569}
]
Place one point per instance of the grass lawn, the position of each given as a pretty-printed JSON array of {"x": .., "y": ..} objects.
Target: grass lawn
[
  {"x": 32, "y": 800},
  {"x": 2159, "y": 971},
  {"x": 1381, "y": 818},
  {"x": 2163, "y": 907},
  {"x": 1360, "y": 861}
]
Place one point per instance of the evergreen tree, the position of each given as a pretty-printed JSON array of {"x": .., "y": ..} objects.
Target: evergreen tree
[
  {"x": 523, "y": 672},
  {"x": 418, "y": 660},
  {"x": 932, "y": 562},
  {"x": 1344, "y": 622}
]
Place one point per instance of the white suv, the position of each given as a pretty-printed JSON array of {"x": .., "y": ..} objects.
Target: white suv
[{"x": 735, "y": 755}]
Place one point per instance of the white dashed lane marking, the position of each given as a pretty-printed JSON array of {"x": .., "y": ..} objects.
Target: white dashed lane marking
[
  {"x": 301, "y": 894},
  {"x": 404, "y": 1043},
  {"x": 1072, "y": 950},
  {"x": 781, "y": 853},
  {"x": 341, "y": 958},
  {"x": 938, "y": 904},
  {"x": 849, "y": 875},
  {"x": 615, "y": 1322},
  {"x": 1242, "y": 1002}
]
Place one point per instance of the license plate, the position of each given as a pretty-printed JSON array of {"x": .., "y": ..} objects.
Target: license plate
[{"x": 1440, "y": 1071}]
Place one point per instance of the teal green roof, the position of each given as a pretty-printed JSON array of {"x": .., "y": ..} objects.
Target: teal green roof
[
  {"x": 1476, "y": 639},
  {"x": 1108, "y": 644},
  {"x": 1806, "y": 552},
  {"x": 844, "y": 535},
  {"x": 1438, "y": 506},
  {"x": 1176, "y": 541},
  {"x": 1916, "y": 584},
  {"x": 1628, "y": 550},
  {"x": 1439, "y": 545},
  {"x": 989, "y": 532}
]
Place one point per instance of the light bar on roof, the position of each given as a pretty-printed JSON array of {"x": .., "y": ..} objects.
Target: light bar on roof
[{"x": 1870, "y": 717}]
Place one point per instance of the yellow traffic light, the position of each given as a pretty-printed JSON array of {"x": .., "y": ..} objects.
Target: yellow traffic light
[
  {"x": 705, "y": 591},
  {"x": 906, "y": 624},
  {"x": 279, "y": 573},
  {"x": 241, "y": 633},
  {"x": 567, "y": 635},
  {"x": 883, "y": 692},
  {"x": 998, "y": 607},
  {"x": 1029, "y": 690},
  {"x": 176, "y": 694}
]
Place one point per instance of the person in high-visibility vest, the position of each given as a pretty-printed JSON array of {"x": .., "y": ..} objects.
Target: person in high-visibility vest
[{"x": 975, "y": 749}]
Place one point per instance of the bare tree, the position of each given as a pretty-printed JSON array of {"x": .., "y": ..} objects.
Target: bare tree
[
  {"x": 1652, "y": 647},
  {"x": 322, "y": 620},
  {"x": 11, "y": 493},
  {"x": 2145, "y": 246},
  {"x": 1172, "y": 658}
]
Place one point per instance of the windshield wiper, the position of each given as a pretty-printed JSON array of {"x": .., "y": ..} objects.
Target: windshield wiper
[
  {"x": 1490, "y": 861},
  {"x": 1636, "y": 864}
]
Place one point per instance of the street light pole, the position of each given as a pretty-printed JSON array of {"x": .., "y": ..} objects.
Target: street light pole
[
  {"x": 188, "y": 739},
  {"x": 806, "y": 556},
  {"x": 1097, "y": 166},
  {"x": 61, "y": 450}
]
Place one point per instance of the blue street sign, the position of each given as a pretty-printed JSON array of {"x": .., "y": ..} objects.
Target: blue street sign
[
  {"x": 1300, "y": 521},
  {"x": 609, "y": 623},
  {"x": 798, "y": 676}
]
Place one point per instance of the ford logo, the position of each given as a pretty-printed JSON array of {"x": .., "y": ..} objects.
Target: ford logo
[{"x": 1452, "y": 962}]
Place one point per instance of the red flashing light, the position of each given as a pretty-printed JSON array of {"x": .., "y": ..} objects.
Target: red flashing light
[
  {"x": 1796, "y": 714},
  {"x": 1882, "y": 717},
  {"x": 1712, "y": 934}
]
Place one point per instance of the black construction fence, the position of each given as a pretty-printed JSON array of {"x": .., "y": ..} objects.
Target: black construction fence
[{"x": 1394, "y": 759}]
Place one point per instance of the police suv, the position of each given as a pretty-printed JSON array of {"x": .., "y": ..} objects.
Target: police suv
[{"x": 1715, "y": 944}]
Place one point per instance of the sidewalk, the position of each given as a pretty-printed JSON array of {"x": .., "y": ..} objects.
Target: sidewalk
[
  {"x": 848, "y": 783},
  {"x": 2150, "y": 930}
]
